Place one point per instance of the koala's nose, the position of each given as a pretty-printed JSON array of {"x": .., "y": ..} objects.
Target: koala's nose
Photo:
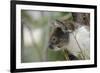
[{"x": 51, "y": 47}]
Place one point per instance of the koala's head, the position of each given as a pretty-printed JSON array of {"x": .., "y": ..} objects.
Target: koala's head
[{"x": 60, "y": 35}]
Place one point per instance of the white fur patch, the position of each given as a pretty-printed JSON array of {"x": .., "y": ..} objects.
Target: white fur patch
[{"x": 81, "y": 37}]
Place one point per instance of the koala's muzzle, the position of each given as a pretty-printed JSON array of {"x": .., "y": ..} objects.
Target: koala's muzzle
[{"x": 50, "y": 46}]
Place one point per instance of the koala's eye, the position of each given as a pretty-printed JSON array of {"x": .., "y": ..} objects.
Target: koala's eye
[{"x": 54, "y": 39}]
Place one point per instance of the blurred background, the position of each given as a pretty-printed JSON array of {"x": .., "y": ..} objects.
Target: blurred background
[{"x": 35, "y": 31}]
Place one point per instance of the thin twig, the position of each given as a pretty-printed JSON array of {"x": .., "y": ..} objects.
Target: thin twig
[
  {"x": 65, "y": 54},
  {"x": 79, "y": 46}
]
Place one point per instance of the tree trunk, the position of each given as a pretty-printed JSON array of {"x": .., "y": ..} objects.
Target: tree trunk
[{"x": 82, "y": 18}]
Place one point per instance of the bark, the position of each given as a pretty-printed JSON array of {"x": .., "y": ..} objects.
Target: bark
[{"x": 82, "y": 18}]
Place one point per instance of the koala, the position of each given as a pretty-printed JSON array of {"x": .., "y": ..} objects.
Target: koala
[
  {"x": 70, "y": 36},
  {"x": 59, "y": 35}
]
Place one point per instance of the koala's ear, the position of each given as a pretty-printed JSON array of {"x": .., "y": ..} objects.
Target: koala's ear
[
  {"x": 62, "y": 26},
  {"x": 60, "y": 23},
  {"x": 54, "y": 24}
]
